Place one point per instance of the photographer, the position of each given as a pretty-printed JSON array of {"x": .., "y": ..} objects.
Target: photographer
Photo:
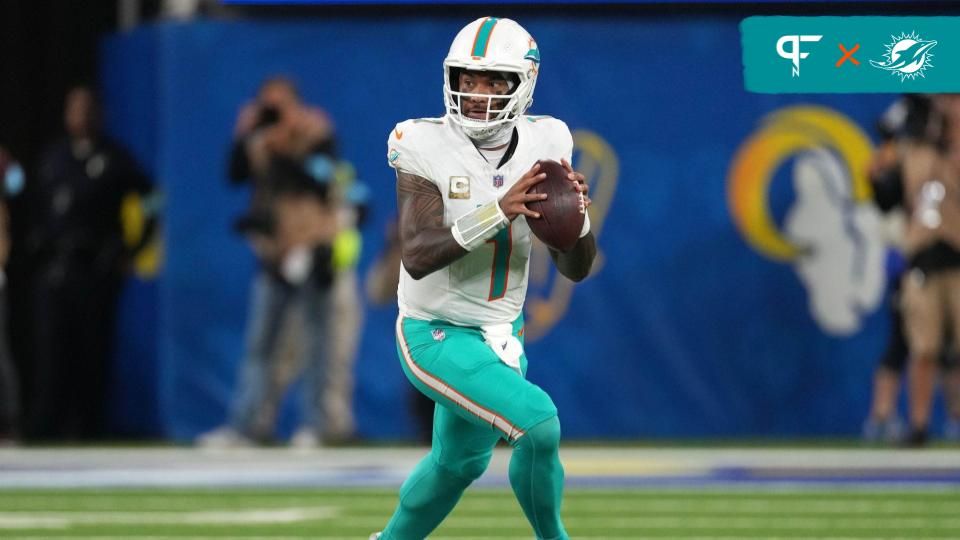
[{"x": 286, "y": 150}]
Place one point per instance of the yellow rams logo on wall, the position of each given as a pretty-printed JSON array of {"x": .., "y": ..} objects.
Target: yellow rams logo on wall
[
  {"x": 832, "y": 233},
  {"x": 549, "y": 294}
]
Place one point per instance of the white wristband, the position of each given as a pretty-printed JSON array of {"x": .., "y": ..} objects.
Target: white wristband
[
  {"x": 586, "y": 224},
  {"x": 474, "y": 228}
]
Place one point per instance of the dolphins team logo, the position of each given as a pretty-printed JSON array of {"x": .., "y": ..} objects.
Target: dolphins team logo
[
  {"x": 831, "y": 234},
  {"x": 533, "y": 55},
  {"x": 907, "y": 56}
]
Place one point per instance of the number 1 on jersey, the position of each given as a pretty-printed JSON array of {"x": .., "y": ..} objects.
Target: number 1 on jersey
[{"x": 500, "y": 271}]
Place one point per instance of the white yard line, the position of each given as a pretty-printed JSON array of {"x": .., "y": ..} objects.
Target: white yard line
[
  {"x": 506, "y": 502},
  {"x": 251, "y": 516},
  {"x": 64, "y": 520}
]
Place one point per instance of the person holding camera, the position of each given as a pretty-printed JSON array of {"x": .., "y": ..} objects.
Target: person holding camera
[{"x": 286, "y": 150}]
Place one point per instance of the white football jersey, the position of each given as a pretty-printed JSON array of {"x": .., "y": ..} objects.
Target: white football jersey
[{"x": 489, "y": 284}]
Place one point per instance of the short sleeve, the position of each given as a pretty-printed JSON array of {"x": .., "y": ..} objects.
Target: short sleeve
[
  {"x": 402, "y": 151},
  {"x": 566, "y": 142},
  {"x": 561, "y": 141}
]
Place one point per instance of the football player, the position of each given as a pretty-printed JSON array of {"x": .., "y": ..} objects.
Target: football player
[{"x": 462, "y": 183}]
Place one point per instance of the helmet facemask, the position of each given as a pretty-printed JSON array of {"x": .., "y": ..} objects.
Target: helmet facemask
[{"x": 502, "y": 110}]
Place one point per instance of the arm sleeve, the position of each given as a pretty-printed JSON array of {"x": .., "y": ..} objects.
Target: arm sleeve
[
  {"x": 566, "y": 143},
  {"x": 559, "y": 139}
]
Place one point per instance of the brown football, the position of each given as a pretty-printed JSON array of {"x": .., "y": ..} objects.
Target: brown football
[{"x": 561, "y": 218}]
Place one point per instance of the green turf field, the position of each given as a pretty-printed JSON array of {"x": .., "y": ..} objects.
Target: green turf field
[{"x": 484, "y": 513}]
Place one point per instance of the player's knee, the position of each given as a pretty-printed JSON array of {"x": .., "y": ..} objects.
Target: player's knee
[
  {"x": 473, "y": 468},
  {"x": 467, "y": 467},
  {"x": 543, "y": 437}
]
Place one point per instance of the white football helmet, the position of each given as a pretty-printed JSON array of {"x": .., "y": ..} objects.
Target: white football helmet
[{"x": 491, "y": 44}]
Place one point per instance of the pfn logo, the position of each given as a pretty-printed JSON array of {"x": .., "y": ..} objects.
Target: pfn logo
[{"x": 794, "y": 54}]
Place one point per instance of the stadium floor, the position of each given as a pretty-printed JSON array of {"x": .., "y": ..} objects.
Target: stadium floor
[{"x": 279, "y": 494}]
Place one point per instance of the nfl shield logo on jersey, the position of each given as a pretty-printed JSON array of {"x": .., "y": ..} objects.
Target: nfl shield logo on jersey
[
  {"x": 497, "y": 180},
  {"x": 439, "y": 334}
]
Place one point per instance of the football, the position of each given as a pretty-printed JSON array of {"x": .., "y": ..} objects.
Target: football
[{"x": 561, "y": 214}]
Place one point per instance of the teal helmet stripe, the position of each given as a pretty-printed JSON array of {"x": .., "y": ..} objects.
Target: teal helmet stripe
[{"x": 483, "y": 37}]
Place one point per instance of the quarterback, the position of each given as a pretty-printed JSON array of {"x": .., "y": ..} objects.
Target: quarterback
[{"x": 462, "y": 183}]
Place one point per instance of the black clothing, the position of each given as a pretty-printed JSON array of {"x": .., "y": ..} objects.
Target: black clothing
[
  {"x": 888, "y": 194},
  {"x": 77, "y": 248},
  {"x": 78, "y": 193}
]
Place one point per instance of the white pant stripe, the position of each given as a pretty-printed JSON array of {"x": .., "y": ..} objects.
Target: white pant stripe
[{"x": 512, "y": 432}]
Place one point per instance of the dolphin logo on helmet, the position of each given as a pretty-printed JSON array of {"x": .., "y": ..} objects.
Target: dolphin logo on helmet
[{"x": 491, "y": 44}]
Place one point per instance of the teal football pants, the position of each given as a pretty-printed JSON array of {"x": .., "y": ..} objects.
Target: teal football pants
[{"x": 479, "y": 400}]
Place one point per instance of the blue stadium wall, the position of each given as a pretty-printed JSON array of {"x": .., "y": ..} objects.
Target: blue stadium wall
[{"x": 686, "y": 330}]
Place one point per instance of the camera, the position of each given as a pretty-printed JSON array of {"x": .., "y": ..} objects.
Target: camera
[{"x": 269, "y": 115}]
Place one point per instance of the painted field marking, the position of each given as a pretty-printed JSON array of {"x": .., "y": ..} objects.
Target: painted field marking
[{"x": 251, "y": 516}]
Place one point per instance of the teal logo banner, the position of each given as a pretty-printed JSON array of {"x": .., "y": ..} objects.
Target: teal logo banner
[{"x": 783, "y": 55}]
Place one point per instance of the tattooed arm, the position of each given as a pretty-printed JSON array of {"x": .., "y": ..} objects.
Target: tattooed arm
[{"x": 426, "y": 245}]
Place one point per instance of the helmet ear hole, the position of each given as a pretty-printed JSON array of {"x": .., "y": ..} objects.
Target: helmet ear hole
[
  {"x": 513, "y": 81},
  {"x": 455, "y": 78}
]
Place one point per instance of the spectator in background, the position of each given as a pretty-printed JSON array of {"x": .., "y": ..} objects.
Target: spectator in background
[
  {"x": 12, "y": 178},
  {"x": 286, "y": 149},
  {"x": 76, "y": 244},
  {"x": 927, "y": 185}
]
